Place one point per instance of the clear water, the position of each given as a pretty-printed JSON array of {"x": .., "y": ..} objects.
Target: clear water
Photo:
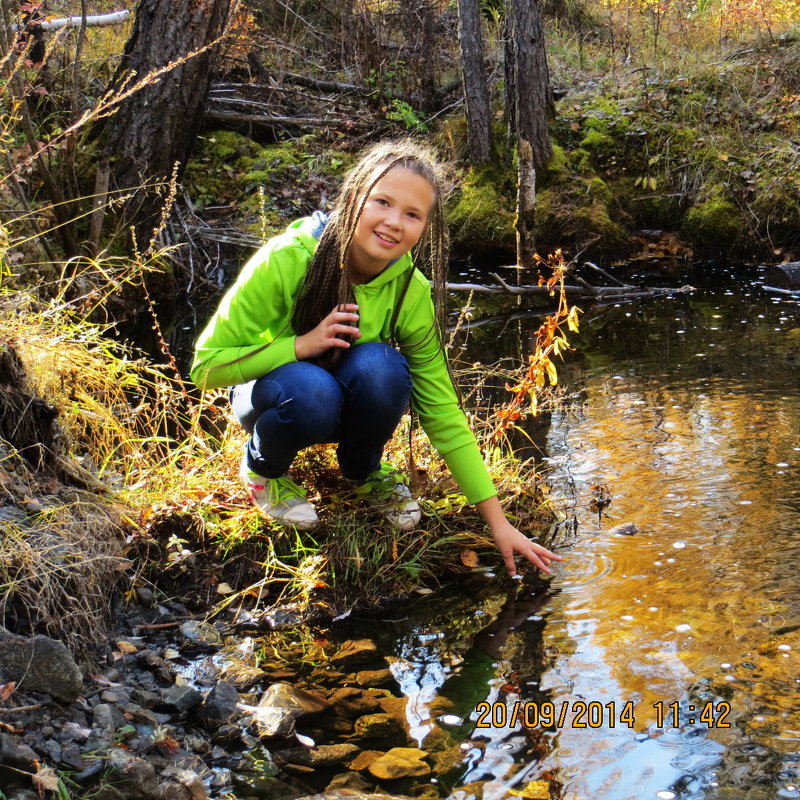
[{"x": 683, "y": 640}]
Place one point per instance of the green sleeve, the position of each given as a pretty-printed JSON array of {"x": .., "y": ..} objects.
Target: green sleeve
[
  {"x": 435, "y": 401},
  {"x": 250, "y": 333}
]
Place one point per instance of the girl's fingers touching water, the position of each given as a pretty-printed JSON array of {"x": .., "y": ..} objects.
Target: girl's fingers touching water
[{"x": 335, "y": 330}]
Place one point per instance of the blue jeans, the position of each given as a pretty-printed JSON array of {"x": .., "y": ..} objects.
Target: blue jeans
[{"x": 358, "y": 405}]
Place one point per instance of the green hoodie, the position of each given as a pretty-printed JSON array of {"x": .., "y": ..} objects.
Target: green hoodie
[{"x": 257, "y": 310}]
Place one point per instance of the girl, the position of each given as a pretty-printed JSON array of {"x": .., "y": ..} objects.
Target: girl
[{"x": 305, "y": 338}]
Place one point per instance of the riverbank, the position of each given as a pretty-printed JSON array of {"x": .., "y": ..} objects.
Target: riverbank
[
  {"x": 125, "y": 527},
  {"x": 183, "y": 708}
]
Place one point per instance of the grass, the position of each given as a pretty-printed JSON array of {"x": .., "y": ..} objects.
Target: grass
[
  {"x": 130, "y": 480},
  {"x": 115, "y": 474}
]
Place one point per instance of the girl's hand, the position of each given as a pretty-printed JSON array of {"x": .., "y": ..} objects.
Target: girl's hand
[
  {"x": 314, "y": 343},
  {"x": 510, "y": 541}
]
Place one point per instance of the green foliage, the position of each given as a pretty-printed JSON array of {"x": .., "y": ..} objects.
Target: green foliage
[{"x": 403, "y": 112}]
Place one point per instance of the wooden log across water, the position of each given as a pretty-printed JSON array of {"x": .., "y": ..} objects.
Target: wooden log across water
[
  {"x": 584, "y": 289},
  {"x": 784, "y": 276}
]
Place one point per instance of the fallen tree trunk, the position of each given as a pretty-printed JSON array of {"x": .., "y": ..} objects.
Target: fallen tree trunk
[
  {"x": 93, "y": 21},
  {"x": 300, "y": 122},
  {"x": 784, "y": 276},
  {"x": 584, "y": 289}
]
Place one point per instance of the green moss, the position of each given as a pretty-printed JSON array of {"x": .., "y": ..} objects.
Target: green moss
[
  {"x": 227, "y": 145},
  {"x": 483, "y": 214},
  {"x": 558, "y": 164},
  {"x": 597, "y": 189},
  {"x": 683, "y": 138},
  {"x": 597, "y": 142},
  {"x": 713, "y": 223},
  {"x": 775, "y": 206},
  {"x": 575, "y": 215},
  {"x": 580, "y": 160}
]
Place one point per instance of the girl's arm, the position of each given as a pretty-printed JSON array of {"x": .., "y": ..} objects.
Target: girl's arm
[{"x": 510, "y": 541}]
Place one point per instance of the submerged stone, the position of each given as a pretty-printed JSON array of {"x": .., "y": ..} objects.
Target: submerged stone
[
  {"x": 624, "y": 529},
  {"x": 263, "y": 787},
  {"x": 400, "y": 762},
  {"x": 282, "y": 705},
  {"x": 355, "y": 652},
  {"x": 324, "y": 755},
  {"x": 376, "y": 726}
]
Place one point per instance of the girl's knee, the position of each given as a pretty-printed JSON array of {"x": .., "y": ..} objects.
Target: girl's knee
[
  {"x": 378, "y": 375},
  {"x": 302, "y": 395}
]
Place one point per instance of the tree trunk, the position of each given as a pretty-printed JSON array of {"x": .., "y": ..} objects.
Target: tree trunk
[
  {"x": 532, "y": 103},
  {"x": 526, "y": 204},
  {"x": 476, "y": 91},
  {"x": 155, "y": 127},
  {"x": 784, "y": 276},
  {"x": 428, "y": 76},
  {"x": 528, "y": 106}
]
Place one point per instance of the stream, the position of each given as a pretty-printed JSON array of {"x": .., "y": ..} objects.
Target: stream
[{"x": 662, "y": 664}]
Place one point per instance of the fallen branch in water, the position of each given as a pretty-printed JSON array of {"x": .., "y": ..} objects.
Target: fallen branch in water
[{"x": 581, "y": 288}]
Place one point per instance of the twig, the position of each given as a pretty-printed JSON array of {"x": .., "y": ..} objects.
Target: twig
[
  {"x": 93, "y": 21},
  {"x": 606, "y": 274},
  {"x": 19, "y": 709},
  {"x": 792, "y": 293},
  {"x": 159, "y": 625}
]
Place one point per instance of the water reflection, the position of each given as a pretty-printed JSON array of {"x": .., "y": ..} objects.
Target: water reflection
[{"x": 691, "y": 419}]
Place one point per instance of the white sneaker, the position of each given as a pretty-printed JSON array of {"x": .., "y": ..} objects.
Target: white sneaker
[
  {"x": 387, "y": 489},
  {"x": 280, "y": 498}
]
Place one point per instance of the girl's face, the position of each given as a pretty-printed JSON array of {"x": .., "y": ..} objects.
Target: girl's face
[{"x": 391, "y": 222}]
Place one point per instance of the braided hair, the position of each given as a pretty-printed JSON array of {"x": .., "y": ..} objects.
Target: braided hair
[{"x": 327, "y": 282}]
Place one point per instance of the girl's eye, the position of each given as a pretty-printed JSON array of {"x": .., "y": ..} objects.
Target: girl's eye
[
  {"x": 381, "y": 202},
  {"x": 413, "y": 215}
]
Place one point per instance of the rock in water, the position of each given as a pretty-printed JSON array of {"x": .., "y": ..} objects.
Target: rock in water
[
  {"x": 220, "y": 705},
  {"x": 376, "y": 726},
  {"x": 41, "y": 664},
  {"x": 625, "y": 529},
  {"x": 200, "y": 634},
  {"x": 282, "y": 705},
  {"x": 355, "y": 652},
  {"x": 400, "y": 762}
]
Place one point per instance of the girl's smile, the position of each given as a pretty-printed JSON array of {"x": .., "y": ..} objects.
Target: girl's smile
[{"x": 391, "y": 223}]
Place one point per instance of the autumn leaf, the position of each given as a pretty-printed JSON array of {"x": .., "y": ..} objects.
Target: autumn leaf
[
  {"x": 46, "y": 780},
  {"x": 6, "y": 690},
  {"x": 469, "y": 558},
  {"x": 167, "y": 745}
]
